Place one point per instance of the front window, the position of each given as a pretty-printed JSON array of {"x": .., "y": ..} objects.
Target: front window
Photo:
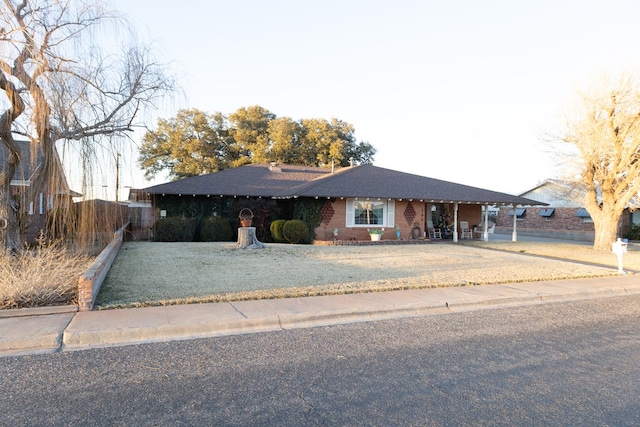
[
  {"x": 368, "y": 213},
  {"x": 365, "y": 213}
]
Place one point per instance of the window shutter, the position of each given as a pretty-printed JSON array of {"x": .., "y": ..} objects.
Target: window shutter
[
  {"x": 350, "y": 213},
  {"x": 391, "y": 213}
]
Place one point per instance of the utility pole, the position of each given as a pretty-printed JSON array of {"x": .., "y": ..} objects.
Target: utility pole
[{"x": 117, "y": 175}]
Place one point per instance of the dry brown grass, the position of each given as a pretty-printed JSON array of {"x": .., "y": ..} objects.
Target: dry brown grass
[
  {"x": 566, "y": 251},
  {"x": 40, "y": 277}
]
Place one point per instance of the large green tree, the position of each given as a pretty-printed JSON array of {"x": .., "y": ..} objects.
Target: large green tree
[
  {"x": 194, "y": 142},
  {"x": 603, "y": 133},
  {"x": 249, "y": 129},
  {"x": 287, "y": 144},
  {"x": 64, "y": 82}
]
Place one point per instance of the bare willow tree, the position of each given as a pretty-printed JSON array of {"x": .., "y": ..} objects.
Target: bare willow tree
[
  {"x": 604, "y": 152},
  {"x": 72, "y": 73}
]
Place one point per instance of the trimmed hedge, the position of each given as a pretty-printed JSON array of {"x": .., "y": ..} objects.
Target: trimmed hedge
[
  {"x": 276, "y": 230},
  {"x": 295, "y": 231},
  {"x": 175, "y": 229},
  {"x": 216, "y": 229}
]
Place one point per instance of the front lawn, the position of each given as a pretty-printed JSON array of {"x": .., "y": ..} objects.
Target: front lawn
[{"x": 148, "y": 273}]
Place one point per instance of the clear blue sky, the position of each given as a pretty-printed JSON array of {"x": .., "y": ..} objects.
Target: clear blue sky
[{"x": 458, "y": 90}]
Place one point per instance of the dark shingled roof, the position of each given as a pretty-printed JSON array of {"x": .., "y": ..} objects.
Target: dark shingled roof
[
  {"x": 27, "y": 166},
  {"x": 365, "y": 181},
  {"x": 250, "y": 180}
]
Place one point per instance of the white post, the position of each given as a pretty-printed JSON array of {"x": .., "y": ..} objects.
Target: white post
[
  {"x": 485, "y": 235},
  {"x": 619, "y": 248},
  {"x": 514, "y": 234},
  {"x": 620, "y": 270},
  {"x": 455, "y": 222}
]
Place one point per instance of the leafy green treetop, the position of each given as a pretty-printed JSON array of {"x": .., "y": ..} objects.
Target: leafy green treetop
[{"x": 195, "y": 143}]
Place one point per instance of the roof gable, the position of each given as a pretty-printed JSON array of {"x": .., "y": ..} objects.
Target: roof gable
[
  {"x": 30, "y": 161},
  {"x": 557, "y": 193},
  {"x": 27, "y": 166}
]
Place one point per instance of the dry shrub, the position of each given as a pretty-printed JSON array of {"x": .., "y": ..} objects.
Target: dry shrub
[{"x": 44, "y": 276}]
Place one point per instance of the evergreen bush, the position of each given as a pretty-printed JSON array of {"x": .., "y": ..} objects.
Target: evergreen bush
[
  {"x": 309, "y": 211},
  {"x": 216, "y": 229},
  {"x": 175, "y": 229},
  {"x": 634, "y": 232},
  {"x": 276, "y": 230},
  {"x": 295, "y": 231}
]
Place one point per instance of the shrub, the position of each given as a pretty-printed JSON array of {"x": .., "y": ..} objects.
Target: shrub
[
  {"x": 216, "y": 229},
  {"x": 309, "y": 211},
  {"x": 634, "y": 232},
  {"x": 276, "y": 230},
  {"x": 175, "y": 229},
  {"x": 44, "y": 276},
  {"x": 295, "y": 231}
]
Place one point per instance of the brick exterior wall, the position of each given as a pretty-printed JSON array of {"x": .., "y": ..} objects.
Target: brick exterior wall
[
  {"x": 563, "y": 219},
  {"x": 470, "y": 213},
  {"x": 407, "y": 215},
  {"x": 563, "y": 223}
]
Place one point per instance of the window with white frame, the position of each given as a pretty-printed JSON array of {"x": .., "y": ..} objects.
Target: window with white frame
[{"x": 367, "y": 213}]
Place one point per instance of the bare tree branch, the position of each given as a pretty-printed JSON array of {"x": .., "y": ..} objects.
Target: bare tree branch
[{"x": 56, "y": 57}]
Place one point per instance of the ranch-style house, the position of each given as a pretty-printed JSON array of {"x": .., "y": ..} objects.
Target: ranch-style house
[{"x": 351, "y": 201}]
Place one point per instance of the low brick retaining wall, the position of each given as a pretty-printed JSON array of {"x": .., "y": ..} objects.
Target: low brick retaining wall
[
  {"x": 91, "y": 280},
  {"x": 369, "y": 242}
]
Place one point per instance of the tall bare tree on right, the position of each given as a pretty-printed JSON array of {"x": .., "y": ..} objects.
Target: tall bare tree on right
[{"x": 604, "y": 137}]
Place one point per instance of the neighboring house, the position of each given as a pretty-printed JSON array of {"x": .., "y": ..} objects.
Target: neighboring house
[
  {"x": 565, "y": 215},
  {"x": 35, "y": 208},
  {"x": 350, "y": 200}
]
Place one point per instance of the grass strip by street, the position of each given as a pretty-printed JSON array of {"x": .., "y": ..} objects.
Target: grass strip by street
[{"x": 146, "y": 273}]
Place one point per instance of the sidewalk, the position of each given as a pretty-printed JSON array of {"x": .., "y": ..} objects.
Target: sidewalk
[{"x": 64, "y": 330}]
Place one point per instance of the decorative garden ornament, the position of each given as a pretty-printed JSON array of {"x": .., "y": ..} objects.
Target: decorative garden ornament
[{"x": 246, "y": 216}]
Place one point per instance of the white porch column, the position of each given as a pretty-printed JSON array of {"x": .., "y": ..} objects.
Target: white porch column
[
  {"x": 514, "y": 235},
  {"x": 455, "y": 222},
  {"x": 485, "y": 234}
]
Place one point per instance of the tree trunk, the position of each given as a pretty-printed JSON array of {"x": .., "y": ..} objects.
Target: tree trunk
[
  {"x": 606, "y": 231},
  {"x": 9, "y": 222},
  {"x": 247, "y": 239}
]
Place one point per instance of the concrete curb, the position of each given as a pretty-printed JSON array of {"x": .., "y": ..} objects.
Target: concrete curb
[
  {"x": 155, "y": 324},
  {"x": 33, "y": 334}
]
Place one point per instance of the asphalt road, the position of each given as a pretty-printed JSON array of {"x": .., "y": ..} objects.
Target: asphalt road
[{"x": 563, "y": 364}]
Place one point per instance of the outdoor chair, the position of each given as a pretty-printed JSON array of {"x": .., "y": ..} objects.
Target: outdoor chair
[
  {"x": 479, "y": 229},
  {"x": 465, "y": 231},
  {"x": 434, "y": 233}
]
